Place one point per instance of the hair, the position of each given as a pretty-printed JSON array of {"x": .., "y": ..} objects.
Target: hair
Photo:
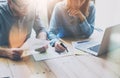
[{"x": 84, "y": 8}]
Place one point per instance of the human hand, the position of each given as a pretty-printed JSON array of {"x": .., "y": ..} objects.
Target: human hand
[
  {"x": 73, "y": 12},
  {"x": 42, "y": 49},
  {"x": 58, "y": 47},
  {"x": 14, "y": 53},
  {"x": 76, "y": 13}
]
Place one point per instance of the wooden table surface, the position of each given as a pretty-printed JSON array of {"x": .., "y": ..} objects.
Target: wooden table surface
[
  {"x": 82, "y": 66},
  {"x": 76, "y": 66}
]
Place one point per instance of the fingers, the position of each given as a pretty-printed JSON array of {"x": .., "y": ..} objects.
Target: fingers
[
  {"x": 70, "y": 12},
  {"x": 45, "y": 46},
  {"x": 42, "y": 49},
  {"x": 59, "y": 48},
  {"x": 15, "y": 54},
  {"x": 73, "y": 12},
  {"x": 76, "y": 13},
  {"x": 18, "y": 51}
]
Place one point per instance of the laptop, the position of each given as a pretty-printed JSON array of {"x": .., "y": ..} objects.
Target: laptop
[{"x": 96, "y": 48}]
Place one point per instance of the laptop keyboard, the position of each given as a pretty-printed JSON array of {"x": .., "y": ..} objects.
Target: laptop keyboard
[{"x": 95, "y": 48}]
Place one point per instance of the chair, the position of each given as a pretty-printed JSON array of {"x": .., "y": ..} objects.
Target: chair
[{"x": 50, "y": 7}]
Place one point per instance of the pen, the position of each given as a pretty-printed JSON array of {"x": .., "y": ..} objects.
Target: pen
[
  {"x": 64, "y": 46},
  {"x": 82, "y": 42}
]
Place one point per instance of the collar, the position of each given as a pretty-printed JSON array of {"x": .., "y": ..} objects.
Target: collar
[{"x": 9, "y": 10}]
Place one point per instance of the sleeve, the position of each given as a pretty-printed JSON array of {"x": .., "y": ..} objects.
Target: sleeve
[
  {"x": 54, "y": 25},
  {"x": 87, "y": 26},
  {"x": 38, "y": 25},
  {"x": 0, "y": 29},
  {"x": 0, "y": 21}
]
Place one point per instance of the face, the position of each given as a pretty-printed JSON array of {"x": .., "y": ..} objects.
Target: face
[
  {"x": 19, "y": 7},
  {"x": 76, "y": 4}
]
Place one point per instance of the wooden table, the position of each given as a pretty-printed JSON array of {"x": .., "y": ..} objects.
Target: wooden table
[
  {"x": 76, "y": 66},
  {"x": 80, "y": 66}
]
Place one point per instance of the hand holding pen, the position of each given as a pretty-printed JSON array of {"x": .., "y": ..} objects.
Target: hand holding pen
[
  {"x": 64, "y": 46},
  {"x": 60, "y": 47}
]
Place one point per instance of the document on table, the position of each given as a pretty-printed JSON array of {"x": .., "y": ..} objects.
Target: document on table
[
  {"x": 31, "y": 44},
  {"x": 51, "y": 54}
]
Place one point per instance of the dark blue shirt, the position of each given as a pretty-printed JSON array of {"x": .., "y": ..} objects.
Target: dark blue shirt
[{"x": 8, "y": 21}]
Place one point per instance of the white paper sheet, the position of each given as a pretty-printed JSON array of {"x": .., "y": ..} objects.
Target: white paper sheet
[
  {"x": 31, "y": 44},
  {"x": 51, "y": 54}
]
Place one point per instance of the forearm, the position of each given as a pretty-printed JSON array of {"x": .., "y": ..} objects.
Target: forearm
[
  {"x": 42, "y": 35},
  {"x": 82, "y": 17},
  {"x": 86, "y": 28},
  {"x": 53, "y": 38},
  {"x": 3, "y": 52}
]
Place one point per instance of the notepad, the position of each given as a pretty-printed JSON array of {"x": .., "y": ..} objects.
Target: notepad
[
  {"x": 50, "y": 55},
  {"x": 31, "y": 45}
]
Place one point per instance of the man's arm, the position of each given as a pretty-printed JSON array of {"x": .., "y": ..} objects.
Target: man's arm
[
  {"x": 42, "y": 35},
  {"x": 3, "y": 52},
  {"x": 39, "y": 28},
  {"x": 13, "y": 53}
]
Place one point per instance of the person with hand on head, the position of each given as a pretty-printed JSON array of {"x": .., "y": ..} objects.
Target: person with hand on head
[
  {"x": 71, "y": 19},
  {"x": 17, "y": 19}
]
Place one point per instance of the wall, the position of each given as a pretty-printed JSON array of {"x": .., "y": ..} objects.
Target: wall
[{"x": 107, "y": 13}]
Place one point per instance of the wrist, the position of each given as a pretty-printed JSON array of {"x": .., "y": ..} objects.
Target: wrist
[
  {"x": 42, "y": 35},
  {"x": 3, "y": 52},
  {"x": 82, "y": 17},
  {"x": 53, "y": 41}
]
